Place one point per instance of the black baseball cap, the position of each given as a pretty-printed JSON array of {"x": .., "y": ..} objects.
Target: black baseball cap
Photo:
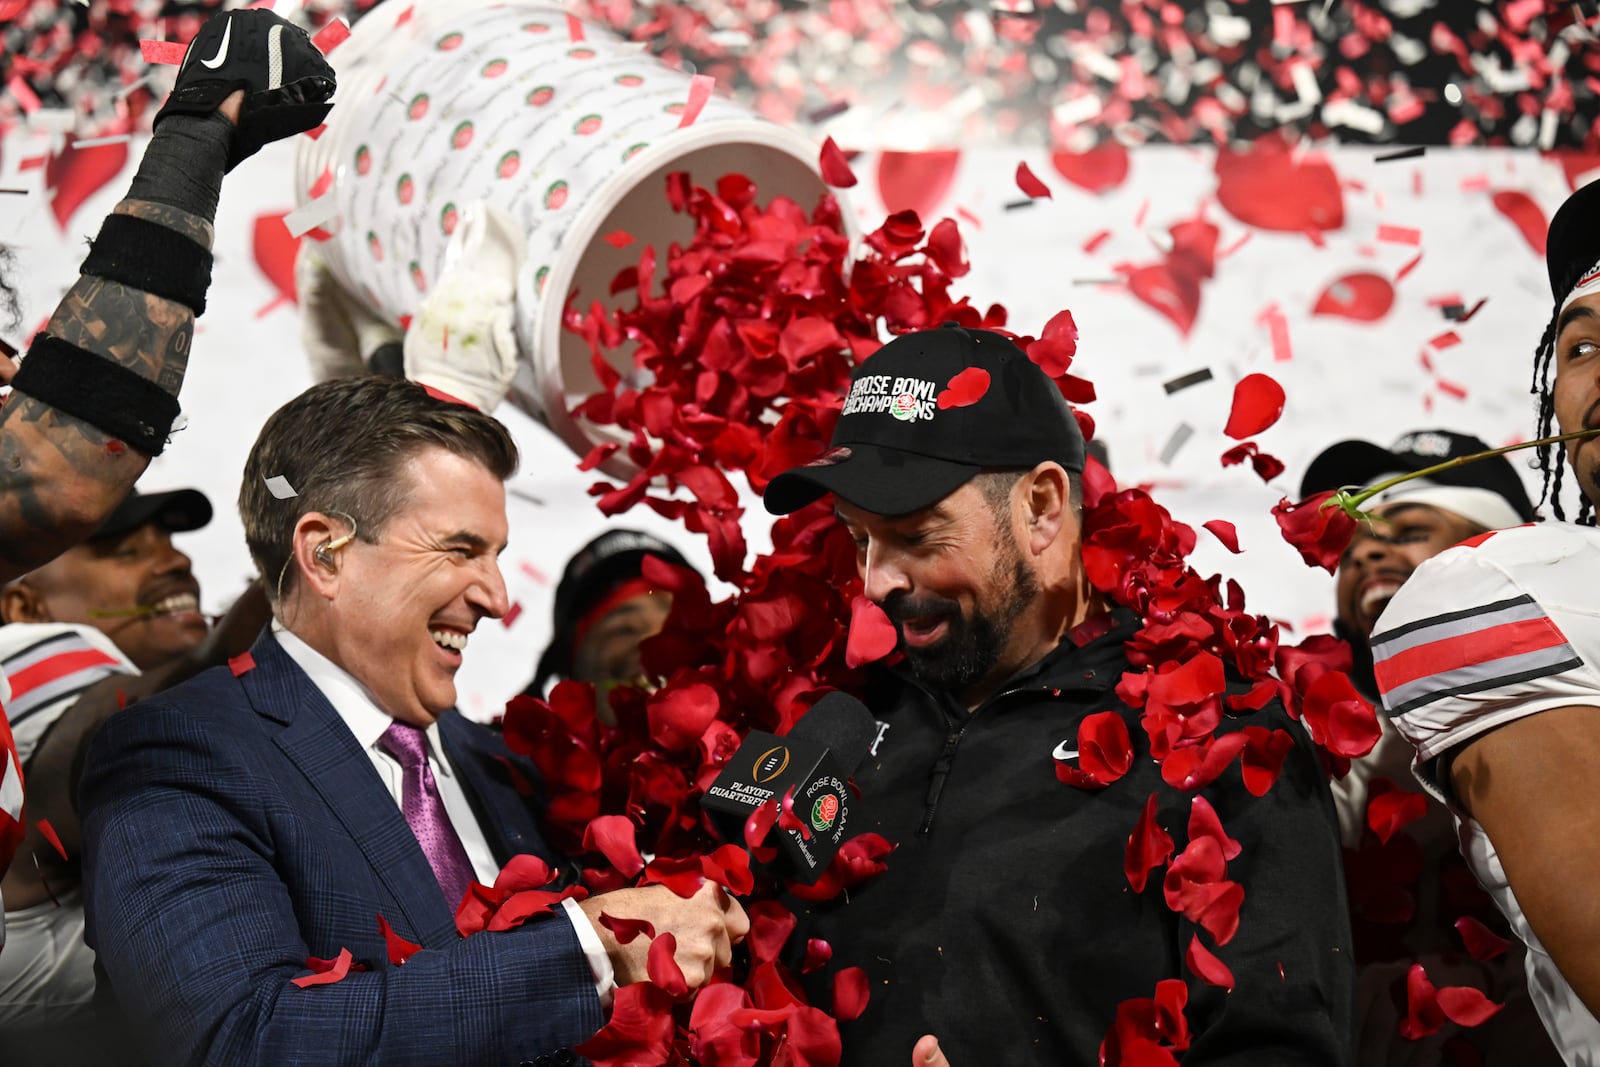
[
  {"x": 1360, "y": 463},
  {"x": 1573, "y": 245},
  {"x": 895, "y": 451},
  {"x": 598, "y": 567},
  {"x": 175, "y": 511}
]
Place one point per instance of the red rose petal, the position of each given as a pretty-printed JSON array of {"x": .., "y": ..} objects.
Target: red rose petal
[
  {"x": 1264, "y": 753},
  {"x": 1482, "y": 943},
  {"x": 679, "y": 715},
  {"x": 1205, "y": 966},
  {"x": 850, "y": 994},
  {"x": 872, "y": 635},
  {"x": 1103, "y": 167},
  {"x": 1056, "y": 347},
  {"x": 729, "y": 867},
  {"x": 1362, "y": 297},
  {"x": 1319, "y": 533},
  {"x": 756, "y": 829},
  {"x": 965, "y": 389},
  {"x": 1224, "y": 532},
  {"x": 1467, "y": 1006},
  {"x": 640, "y": 1030},
  {"x": 1257, "y": 403},
  {"x": 613, "y": 836},
  {"x": 241, "y": 663},
  {"x": 1204, "y": 822},
  {"x": 1029, "y": 183},
  {"x": 683, "y": 876},
  {"x": 835, "y": 169},
  {"x": 818, "y": 953},
  {"x": 399, "y": 948},
  {"x": 663, "y": 970},
  {"x": 625, "y": 930},
  {"x": 770, "y": 926},
  {"x": 1390, "y": 812},
  {"x": 1105, "y": 750},
  {"x": 1149, "y": 846},
  {"x": 1526, "y": 215}
]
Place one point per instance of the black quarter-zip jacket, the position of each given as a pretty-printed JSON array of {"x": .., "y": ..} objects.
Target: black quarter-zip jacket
[{"x": 1005, "y": 923}]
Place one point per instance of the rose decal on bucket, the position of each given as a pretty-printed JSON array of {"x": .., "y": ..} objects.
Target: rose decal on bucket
[
  {"x": 448, "y": 218},
  {"x": 587, "y": 125},
  {"x": 494, "y": 68},
  {"x": 449, "y": 42},
  {"x": 555, "y": 197},
  {"x": 541, "y": 95},
  {"x": 375, "y": 246},
  {"x": 405, "y": 190},
  {"x": 363, "y": 160},
  {"x": 461, "y": 136},
  {"x": 418, "y": 108},
  {"x": 507, "y": 167}
]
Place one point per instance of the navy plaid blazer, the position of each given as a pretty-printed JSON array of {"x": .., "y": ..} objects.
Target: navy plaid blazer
[{"x": 234, "y": 827}]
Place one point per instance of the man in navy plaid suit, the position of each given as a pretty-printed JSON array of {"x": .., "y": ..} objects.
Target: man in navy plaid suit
[{"x": 252, "y": 818}]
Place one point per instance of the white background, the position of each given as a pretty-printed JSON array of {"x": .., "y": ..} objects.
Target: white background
[{"x": 1344, "y": 379}]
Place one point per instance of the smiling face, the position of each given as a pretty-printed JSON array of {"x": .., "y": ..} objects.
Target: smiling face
[
  {"x": 136, "y": 588},
  {"x": 1577, "y": 387},
  {"x": 953, "y": 580},
  {"x": 1383, "y": 555},
  {"x": 396, "y": 612}
]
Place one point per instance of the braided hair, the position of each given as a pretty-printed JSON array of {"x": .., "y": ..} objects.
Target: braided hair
[
  {"x": 1571, "y": 253},
  {"x": 1551, "y": 460}
]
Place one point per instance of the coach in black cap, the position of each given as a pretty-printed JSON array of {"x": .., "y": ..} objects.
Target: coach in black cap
[{"x": 1005, "y": 921}]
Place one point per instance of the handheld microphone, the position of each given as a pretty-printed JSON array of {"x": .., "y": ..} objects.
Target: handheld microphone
[{"x": 819, "y": 752}]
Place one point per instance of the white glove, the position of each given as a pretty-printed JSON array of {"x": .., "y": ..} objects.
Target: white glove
[
  {"x": 339, "y": 332},
  {"x": 462, "y": 341}
]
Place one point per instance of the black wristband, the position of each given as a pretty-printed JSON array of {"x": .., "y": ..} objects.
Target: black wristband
[
  {"x": 152, "y": 258},
  {"x": 106, "y": 395}
]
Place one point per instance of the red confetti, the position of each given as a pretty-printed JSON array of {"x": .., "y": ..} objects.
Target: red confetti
[
  {"x": 835, "y": 169},
  {"x": 331, "y": 36},
  {"x": 1410, "y": 265},
  {"x": 1092, "y": 245},
  {"x": 1400, "y": 235},
  {"x": 317, "y": 131},
  {"x": 872, "y": 635},
  {"x": 618, "y": 238},
  {"x": 327, "y": 972},
  {"x": 513, "y": 613},
  {"x": 23, "y": 93},
  {"x": 1362, "y": 296},
  {"x": 241, "y": 663},
  {"x": 574, "y": 29},
  {"x": 323, "y": 183},
  {"x": 700, "y": 87},
  {"x": 1029, "y": 183},
  {"x": 1257, "y": 403},
  {"x": 164, "y": 53},
  {"x": 1224, "y": 532},
  {"x": 1449, "y": 388},
  {"x": 965, "y": 389},
  {"x": 399, "y": 948},
  {"x": 1448, "y": 339},
  {"x": 50, "y": 835}
]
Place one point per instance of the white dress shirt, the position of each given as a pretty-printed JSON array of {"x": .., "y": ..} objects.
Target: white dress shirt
[{"x": 360, "y": 712}]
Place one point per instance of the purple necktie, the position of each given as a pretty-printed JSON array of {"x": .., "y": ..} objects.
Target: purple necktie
[{"x": 424, "y": 811}]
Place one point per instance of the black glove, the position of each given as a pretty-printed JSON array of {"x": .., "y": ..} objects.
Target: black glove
[{"x": 286, "y": 81}]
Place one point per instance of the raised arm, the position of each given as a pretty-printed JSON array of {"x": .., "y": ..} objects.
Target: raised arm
[{"x": 97, "y": 393}]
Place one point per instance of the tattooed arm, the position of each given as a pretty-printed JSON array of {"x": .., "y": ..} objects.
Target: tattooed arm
[{"x": 60, "y": 476}]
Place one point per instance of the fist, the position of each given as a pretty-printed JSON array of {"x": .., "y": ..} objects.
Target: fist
[{"x": 706, "y": 926}]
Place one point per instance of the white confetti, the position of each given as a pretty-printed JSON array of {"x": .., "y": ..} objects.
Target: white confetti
[{"x": 280, "y": 488}]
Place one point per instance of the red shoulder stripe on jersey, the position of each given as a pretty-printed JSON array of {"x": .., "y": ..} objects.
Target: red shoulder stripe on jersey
[
  {"x": 1452, "y": 653},
  {"x": 59, "y": 666}
]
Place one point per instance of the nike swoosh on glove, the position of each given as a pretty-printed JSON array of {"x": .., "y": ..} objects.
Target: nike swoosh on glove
[{"x": 286, "y": 81}]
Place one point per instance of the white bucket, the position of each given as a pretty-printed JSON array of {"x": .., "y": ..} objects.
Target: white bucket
[{"x": 467, "y": 100}]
